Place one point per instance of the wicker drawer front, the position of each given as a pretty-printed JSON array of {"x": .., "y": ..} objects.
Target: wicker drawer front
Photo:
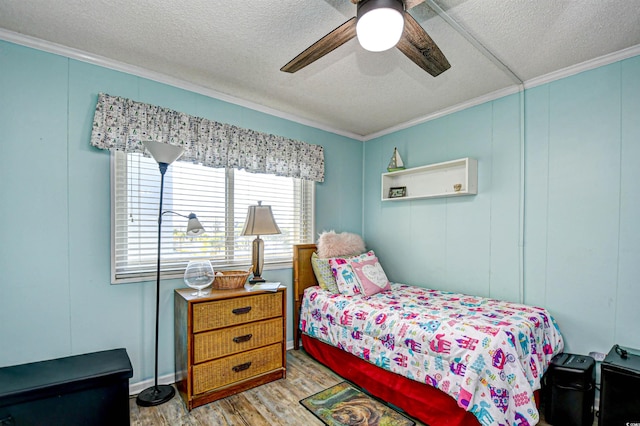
[
  {"x": 227, "y": 341},
  {"x": 232, "y": 369},
  {"x": 223, "y": 313}
]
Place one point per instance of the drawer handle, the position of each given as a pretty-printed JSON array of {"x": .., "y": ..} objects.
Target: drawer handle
[
  {"x": 241, "y": 367},
  {"x": 240, "y": 311},
  {"x": 244, "y": 338}
]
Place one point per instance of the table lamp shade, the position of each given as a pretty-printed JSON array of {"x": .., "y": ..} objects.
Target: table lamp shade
[{"x": 260, "y": 221}]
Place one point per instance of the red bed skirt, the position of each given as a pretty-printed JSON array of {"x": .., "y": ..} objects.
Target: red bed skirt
[{"x": 418, "y": 400}]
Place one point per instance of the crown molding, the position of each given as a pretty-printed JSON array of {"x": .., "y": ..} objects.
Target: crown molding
[
  {"x": 611, "y": 58},
  {"x": 584, "y": 66},
  {"x": 105, "y": 62},
  {"x": 446, "y": 111},
  {"x": 102, "y": 61}
]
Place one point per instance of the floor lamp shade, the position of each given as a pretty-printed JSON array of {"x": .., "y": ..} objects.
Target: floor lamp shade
[
  {"x": 259, "y": 221},
  {"x": 163, "y": 152},
  {"x": 194, "y": 227}
]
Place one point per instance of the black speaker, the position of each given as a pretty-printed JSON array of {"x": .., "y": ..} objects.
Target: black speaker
[
  {"x": 569, "y": 390},
  {"x": 620, "y": 389}
]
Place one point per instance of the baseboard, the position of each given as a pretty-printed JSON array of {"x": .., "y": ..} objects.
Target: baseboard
[
  {"x": 136, "y": 388},
  {"x": 169, "y": 379}
]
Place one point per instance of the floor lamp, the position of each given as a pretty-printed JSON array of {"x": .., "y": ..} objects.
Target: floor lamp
[
  {"x": 164, "y": 154},
  {"x": 259, "y": 221}
]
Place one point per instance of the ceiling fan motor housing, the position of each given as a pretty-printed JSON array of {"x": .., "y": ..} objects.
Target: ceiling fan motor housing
[{"x": 365, "y": 6}]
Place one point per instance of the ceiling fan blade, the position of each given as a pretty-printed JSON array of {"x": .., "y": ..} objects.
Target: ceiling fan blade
[
  {"x": 408, "y": 4},
  {"x": 421, "y": 49},
  {"x": 326, "y": 44}
]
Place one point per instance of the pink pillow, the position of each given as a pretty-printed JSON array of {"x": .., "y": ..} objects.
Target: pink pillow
[
  {"x": 370, "y": 276},
  {"x": 344, "y": 244}
]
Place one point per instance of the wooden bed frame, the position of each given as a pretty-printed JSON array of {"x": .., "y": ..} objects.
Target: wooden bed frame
[
  {"x": 418, "y": 400},
  {"x": 303, "y": 278}
]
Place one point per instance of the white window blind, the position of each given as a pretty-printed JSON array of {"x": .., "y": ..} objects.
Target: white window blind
[{"x": 219, "y": 197}]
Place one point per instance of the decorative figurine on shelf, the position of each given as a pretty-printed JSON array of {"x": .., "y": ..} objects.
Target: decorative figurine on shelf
[{"x": 396, "y": 162}]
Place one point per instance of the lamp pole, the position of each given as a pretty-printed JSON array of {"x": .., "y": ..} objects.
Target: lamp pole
[
  {"x": 164, "y": 154},
  {"x": 157, "y": 395}
]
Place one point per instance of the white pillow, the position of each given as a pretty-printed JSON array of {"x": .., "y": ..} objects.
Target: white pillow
[{"x": 344, "y": 274}]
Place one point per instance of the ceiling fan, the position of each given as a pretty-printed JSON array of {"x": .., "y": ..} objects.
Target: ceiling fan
[{"x": 410, "y": 38}]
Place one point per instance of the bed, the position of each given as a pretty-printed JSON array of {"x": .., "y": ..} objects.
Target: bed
[{"x": 443, "y": 358}]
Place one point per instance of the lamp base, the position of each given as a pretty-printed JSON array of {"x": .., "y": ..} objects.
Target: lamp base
[
  {"x": 155, "y": 395},
  {"x": 256, "y": 280}
]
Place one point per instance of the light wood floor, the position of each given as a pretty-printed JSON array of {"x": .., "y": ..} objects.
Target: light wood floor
[{"x": 275, "y": 403}]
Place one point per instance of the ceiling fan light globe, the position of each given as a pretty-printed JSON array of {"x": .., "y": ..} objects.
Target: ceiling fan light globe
[{"x": 379, "y": 28}]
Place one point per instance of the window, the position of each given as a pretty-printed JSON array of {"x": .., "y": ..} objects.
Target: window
[{"x": 219, "y": 197}]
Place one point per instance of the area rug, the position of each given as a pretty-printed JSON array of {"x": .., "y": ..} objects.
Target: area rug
[{"x": 346, "y": 405}]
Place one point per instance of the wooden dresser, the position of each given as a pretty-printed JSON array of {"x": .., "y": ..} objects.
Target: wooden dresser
[{"x": 228, "y": 342}]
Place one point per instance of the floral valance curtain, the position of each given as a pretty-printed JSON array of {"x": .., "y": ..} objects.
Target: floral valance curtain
[{"x": 122, "y": 124}]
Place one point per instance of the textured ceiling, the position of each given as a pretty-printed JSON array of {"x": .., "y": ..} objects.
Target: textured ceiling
[{"x": 237, "y": 48}]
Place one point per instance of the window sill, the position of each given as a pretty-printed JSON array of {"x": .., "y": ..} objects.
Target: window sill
[{"x": 178, "y": 274}]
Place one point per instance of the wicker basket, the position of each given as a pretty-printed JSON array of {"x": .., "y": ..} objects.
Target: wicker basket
[{"x": 230, "y": 279}]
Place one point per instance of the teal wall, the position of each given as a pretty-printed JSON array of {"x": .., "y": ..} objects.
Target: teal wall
[
  {"x": 55, "y": 293},
  {"x": 467, "y": 244},
  {"x": 581, "y": 209},
  {"x": 581, "y": 206}
]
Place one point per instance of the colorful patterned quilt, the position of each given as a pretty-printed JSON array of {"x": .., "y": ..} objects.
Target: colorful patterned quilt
[{"x": 489, "y": 355}]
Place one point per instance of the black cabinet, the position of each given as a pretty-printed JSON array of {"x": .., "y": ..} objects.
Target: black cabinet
[
  {"x": 620, "y": 389},
  {"x": 89, "y": 389}
]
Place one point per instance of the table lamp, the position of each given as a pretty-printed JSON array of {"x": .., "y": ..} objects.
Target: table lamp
[{"x": 259, "y": 221}]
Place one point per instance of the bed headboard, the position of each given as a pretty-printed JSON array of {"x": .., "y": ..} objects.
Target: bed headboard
[{"x": 303, "y": 277}]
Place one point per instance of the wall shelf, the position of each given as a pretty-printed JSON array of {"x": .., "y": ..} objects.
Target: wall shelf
[{"x": 433, "y": 180}]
